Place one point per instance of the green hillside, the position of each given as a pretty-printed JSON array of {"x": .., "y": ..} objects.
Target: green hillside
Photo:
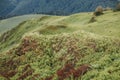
[
  {"x": 9, "y": 23},
  {"x": 62, "y": 48}
]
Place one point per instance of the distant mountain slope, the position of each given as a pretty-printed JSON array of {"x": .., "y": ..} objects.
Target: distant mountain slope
[
  {"x": 59, "y": 7},
  {"x": 5, "y": 7}
]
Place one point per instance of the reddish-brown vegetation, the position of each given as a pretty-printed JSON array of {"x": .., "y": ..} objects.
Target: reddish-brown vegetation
[
  {"x": 26, "y": 74},
  {"x": 27, "y": 71},
  {"x": 8, "y": 74},
  {"x": 8, "y": 68},
  {"x": 26, "y": 68},
  {"x": 69, "y": 70},
  {"x": 28, "y": 44},
  {"x": 11, "y": 73},
  {"x": 81, "y": 70},
  {"x": 12, "y": 64},
  {"x": 49, "y": 78},
  {"x": 65, "y": 72}
]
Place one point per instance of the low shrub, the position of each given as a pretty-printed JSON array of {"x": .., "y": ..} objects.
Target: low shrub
[
  {"x": 98, "y": 11},
  {"x": 93, "y": 19},
  {"x": 69, "y": 71},
  {"x": 118, "y": 7}
]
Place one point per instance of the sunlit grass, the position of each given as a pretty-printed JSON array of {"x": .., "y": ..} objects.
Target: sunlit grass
[{"x": 49, "y": 43}]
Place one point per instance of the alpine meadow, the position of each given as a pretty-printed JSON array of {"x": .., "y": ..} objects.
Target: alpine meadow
[{"x": 46, "y": 44}]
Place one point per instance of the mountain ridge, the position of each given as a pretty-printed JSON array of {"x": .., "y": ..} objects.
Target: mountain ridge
[{"x": 54, "y": 7}]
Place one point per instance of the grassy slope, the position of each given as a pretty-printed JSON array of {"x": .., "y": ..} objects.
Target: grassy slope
[
  {"x": 65, "y": 39},
  {"x": 7, "y": 24},
  {"x": 107, "y": 24}
]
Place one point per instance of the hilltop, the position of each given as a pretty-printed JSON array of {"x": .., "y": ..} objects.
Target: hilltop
[
  {"x": 10, "y": 8},
  {"x": 62, "y": 47}
]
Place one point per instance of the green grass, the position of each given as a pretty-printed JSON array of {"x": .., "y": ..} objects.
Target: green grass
[
  {"x": 61, "y": 40},
  {"x": 8, "y": 24}
]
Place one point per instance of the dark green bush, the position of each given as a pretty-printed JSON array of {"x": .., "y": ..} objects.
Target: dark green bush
[
  {"x": 98, "y": 11},
  {"x": 92, "y": 19},
  {"x": 118, "y": 7}
]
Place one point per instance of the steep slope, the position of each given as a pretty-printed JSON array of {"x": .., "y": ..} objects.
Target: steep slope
[
  {"x": 56, "y": 7},
  {"x": 62, "y": 47}
]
